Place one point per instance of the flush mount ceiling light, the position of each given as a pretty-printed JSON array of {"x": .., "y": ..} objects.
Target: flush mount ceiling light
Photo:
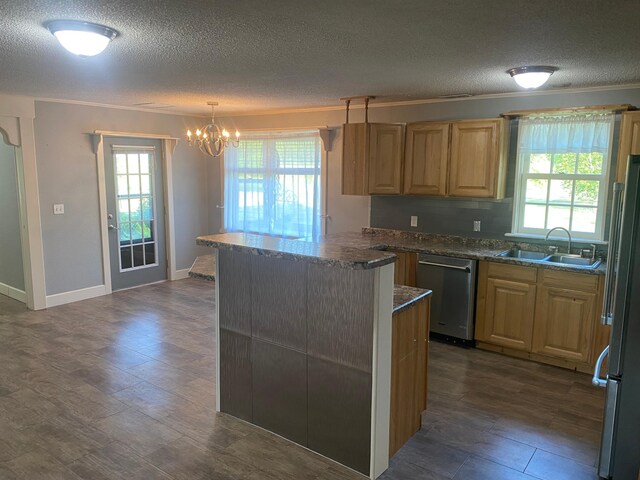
[
  {"x": 531, "y": 77},
  {"x": 82, "y": 38},
  {"x": 210, "y": 138}
]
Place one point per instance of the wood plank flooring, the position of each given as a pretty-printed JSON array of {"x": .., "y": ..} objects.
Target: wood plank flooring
[
  {"x": 123, "y": 387},
  {"x": 494, "y": 417}
]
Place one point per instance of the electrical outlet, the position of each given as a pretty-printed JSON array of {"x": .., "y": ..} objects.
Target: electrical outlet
[
  {"x": 476, "y": 225},
  {"x": 58, "y": 209},
  {"x": 414, "y": 220}
]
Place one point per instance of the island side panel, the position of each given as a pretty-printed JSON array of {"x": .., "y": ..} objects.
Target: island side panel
[{"x": 340, "y": 349}]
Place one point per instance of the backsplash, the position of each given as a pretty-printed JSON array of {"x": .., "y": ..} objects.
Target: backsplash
[{"x": 450, "y": 216}]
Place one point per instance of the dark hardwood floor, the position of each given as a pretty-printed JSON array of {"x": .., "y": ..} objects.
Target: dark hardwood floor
[{"x": 122, "y": 387}]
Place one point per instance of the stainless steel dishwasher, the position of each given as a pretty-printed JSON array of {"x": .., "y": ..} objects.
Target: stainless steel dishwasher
[{"x": 453, "y": 282}]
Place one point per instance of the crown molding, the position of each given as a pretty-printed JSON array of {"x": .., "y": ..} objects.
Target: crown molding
[{"x": 340, "y": 107}]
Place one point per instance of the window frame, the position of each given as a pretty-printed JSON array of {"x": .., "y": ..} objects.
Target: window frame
[{"x": 522, "y": 175}]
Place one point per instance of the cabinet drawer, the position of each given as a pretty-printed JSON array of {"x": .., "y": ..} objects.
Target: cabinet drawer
[
  {"x": 575, "y": 281},
  {"x": 512, "y": 272}
]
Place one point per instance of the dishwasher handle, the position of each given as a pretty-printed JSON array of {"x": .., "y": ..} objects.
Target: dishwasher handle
[{"x": 443, "y": 265}]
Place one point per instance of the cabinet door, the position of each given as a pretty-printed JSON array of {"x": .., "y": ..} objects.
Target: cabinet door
[
  {"x": 508, "y": 314},
  {"x": 355, "y": 144},
  {"x": 386, "y": 146},
  {"x": 564, "y": 323},
  {"x": 405, "y": 269},
  {"x": 404, "y": 421},
  {"x": 477, "y": 160},
  {"x": 629, "y": 141},
  {"x": 423, "y": 310},
  {"x": 426, "y": 158}
]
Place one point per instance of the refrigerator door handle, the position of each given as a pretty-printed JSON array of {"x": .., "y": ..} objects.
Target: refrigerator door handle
[
  {"x": 614, "y": 233},
  {"x": 597, "y": 381}
]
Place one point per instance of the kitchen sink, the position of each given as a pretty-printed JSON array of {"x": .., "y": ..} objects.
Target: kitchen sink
[
  {"x": 559, "y": 259},
  {"x": 574, "y": 260},
  {"x": 523, "y": 254}
]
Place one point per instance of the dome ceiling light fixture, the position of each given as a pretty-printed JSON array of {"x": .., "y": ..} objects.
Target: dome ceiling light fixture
[
  {"x": 81, "y": 38},
  {"x": 531, "y": 77},
  {"x": 210, "y": 138}
]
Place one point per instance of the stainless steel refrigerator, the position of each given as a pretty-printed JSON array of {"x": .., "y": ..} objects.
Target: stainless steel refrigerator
[{"x": 620, "y": 447}]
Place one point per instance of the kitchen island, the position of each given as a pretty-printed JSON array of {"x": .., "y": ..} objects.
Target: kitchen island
[{"x": 305, "y": 343}]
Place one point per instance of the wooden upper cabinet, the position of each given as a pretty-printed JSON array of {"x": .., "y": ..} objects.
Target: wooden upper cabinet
[
  {"x": 386, "y": 147},
  {"x": 355, "y": 145},
  {"x": 565, "y": 316},
  {"x": 426, "y": 158},
  {"x": 372, "y": 158},
  {"x": 478, "y": 158},
  {"x": 629, "y": 142}
]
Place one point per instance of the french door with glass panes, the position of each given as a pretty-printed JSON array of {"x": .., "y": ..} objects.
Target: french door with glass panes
[{"x": 135, "y": 204}]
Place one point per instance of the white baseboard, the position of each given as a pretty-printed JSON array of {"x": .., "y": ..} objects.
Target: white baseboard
[
  {"x": 13, "y": 292},
  {"x": 75, "y": 295},
  {"x": 180, "y": 274}
]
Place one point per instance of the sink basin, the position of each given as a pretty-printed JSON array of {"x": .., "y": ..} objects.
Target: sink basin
[
  {"x": 574, "y": 260},
  {"x": 523, "y": 254}
]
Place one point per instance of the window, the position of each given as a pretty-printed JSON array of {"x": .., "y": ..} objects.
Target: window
[
  {"x": 561, "y": 179},
  {"x": 272, "y": 184}
]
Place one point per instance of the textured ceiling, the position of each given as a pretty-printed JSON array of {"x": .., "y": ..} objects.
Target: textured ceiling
[{"x": 253, "y": 55}]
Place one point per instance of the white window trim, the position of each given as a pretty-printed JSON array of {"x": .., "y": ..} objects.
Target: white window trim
[{"x": 517, "y": 221}]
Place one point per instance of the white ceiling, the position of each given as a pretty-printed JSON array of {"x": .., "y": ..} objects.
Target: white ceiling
[{"x": 253, "y": 55}]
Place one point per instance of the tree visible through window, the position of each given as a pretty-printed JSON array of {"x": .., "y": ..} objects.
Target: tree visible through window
[
  {"x": 272, "y": 184},
  {"x": 563, "y": 164}
]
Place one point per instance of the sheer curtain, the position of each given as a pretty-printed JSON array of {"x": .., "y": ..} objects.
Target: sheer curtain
[
  {"x": 272, "y": 184},
  {"x": 563, "y": 162}
]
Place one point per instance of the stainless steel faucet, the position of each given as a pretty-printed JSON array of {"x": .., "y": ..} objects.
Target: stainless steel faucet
[{"x": 560, "y": 228}]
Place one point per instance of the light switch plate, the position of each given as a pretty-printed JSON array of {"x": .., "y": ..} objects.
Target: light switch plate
[
  {"x": 414, "y": 220},
  {"x": 476, "y": 225},
  {"x": 58, "y": 209}
]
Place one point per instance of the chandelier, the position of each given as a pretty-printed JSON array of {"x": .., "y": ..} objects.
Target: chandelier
[{"x": 211, "y": 139}]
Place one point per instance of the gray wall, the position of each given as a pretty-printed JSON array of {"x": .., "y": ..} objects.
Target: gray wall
[
  {"x": 67, "y": 174},
  {"x": 436, "y": 215},
  {"x": 11, "y": 270}
]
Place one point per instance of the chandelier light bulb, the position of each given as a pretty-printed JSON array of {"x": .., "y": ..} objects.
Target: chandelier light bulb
[{"x": 211, "y": 139}]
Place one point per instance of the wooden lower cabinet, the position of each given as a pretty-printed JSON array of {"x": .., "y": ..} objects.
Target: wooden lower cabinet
[
  {"x": 410, "y": 343},
  {"x": 405, "y": 269},
  {"x": 546, "y": 315},
  {"x": 565, "y": 316},
  {"x": 505, "y": 304}
]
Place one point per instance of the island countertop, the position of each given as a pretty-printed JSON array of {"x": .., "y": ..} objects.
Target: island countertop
[{"x": 326, "y": 253}]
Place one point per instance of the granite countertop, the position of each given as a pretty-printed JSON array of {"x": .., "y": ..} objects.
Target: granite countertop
[
  {"x": 404, "y": 297},
  {"x": 204, "y": 268},
  {"x": 335, "y": 254},
  {"x": 446, "y": 245}
]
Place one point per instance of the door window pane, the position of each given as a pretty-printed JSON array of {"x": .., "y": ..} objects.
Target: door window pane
[
  {"x": 145, "y": 184},
  {"x": 144, "y": 163},
  {"x": 132, "y": 161},
  {"x": 125, "y": 258},
  {"x": 147, "y": 211},
  {"x": 121, "y": 163},
  {"x": 123, "y": 187},
  {"x": 138, "y": 255}
]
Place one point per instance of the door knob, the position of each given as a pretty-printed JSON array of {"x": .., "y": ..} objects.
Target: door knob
[{"x": 113, "y": 227}]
